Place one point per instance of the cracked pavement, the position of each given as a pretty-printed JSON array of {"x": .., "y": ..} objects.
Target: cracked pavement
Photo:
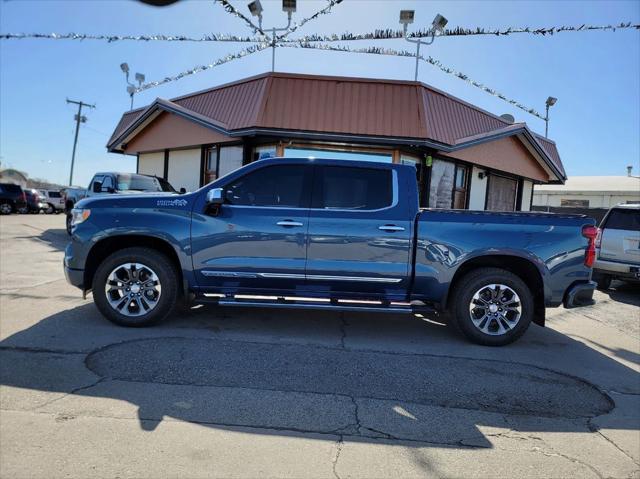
[{"x": 218, "y": 392}]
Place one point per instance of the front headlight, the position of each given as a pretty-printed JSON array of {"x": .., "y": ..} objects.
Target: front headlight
[{"x": 79, "y": 215}]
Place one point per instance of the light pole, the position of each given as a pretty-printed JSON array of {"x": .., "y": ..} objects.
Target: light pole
[
  {"x": 550, "y": 102},
  {"x": 256, "y": 9},
  {"x": 437, "y": 27},
  {"x": 131, "y": 88}
]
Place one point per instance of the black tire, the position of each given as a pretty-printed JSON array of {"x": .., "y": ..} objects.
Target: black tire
[
  {"x": 603, "y": 280},
  {"x": 68, "y": 224},
  {"x": 149, "y": 258},
  {"x": 49, "y": 209},
  {"x": 6, "y": 208},
  {"x": 474, "y": 282}
]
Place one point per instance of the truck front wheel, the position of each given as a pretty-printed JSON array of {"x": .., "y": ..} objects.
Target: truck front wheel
[
  {"x": 135, "y": 287},
  {"x": 492, "y": 306}
]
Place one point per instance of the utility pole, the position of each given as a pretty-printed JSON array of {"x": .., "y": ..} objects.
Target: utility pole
[{"x": 79, "y": 118}]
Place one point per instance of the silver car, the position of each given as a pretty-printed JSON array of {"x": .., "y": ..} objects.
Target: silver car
[
  {"x": 618, "y": 246},
  {"x": 54, "y": 201}
]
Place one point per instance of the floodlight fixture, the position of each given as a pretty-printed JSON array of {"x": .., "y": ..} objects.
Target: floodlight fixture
[
  {"x": 255, "y": 8},
  {"x": 289, "y": 6},
  {"x": 549, "y": 103},
  {"x": 140, "y": 78},
  {"x": 406, "y": 17},
  {"x": 124, "y": 67},
  {"x": 439, "y": 22},
  {"x": 131, "y": 90}
]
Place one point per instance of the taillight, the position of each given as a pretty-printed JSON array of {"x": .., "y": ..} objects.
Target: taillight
[{"x": 591, "y": 233}]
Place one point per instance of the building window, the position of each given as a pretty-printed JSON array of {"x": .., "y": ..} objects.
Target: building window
[
  {"x": 461, "y": 187},
  {"x": 230, "y": 159},
  {"x": 501, "y": 193},
  {"x": 441, "y": 185},
  {"x": 574, "y": 203},
  {"x": 293, "y": 152},
  {"x": 264, "y": 151},
  {"x": 211, "y": 158}
]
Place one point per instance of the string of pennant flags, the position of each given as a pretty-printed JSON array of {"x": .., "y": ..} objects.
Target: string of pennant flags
[
  {"x": 379, "y": 34},
  {"x": 200, "y": 68},
  {"x": 262, "y": 41}
]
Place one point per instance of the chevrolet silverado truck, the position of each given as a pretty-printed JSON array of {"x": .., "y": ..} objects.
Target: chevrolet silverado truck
[{"x": 334, "y": 235}]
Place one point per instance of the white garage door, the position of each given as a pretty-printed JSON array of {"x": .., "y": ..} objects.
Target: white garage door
[
  {"x": 151, "y": 164},
  {"x": 184, "y": 169}
]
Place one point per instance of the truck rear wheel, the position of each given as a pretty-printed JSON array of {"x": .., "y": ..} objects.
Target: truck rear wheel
[
  {"x": 492, "y": 306},
  {"x": 135, "y": 287}
]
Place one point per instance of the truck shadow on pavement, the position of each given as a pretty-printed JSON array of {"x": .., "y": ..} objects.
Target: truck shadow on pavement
[{"x": 366, "y": 377}]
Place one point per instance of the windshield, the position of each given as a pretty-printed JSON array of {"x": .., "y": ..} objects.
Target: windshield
[{"x": 139, "y": 183}]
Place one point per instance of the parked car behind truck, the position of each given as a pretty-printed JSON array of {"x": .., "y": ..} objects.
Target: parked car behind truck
[
  {"x": 53, "y": 200},
  {"x": 618, "y": 246},
  {"x": 108, "y": 183},
  {"x": 332, "y": 235},
  {"x": 12, "y": 198}
]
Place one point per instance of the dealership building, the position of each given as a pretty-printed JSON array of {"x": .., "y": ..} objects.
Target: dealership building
[{"x": 465, "y": 157}]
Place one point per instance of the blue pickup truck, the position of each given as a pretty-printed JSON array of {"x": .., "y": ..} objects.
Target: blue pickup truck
[{"x": 328, "y": 234}]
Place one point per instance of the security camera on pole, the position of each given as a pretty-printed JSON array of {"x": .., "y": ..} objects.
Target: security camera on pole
[{"x": 437, "y": 27}]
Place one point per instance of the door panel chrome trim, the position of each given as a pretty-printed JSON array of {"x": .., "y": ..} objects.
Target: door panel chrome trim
[
  {"x": 391, "y": 228},
  {"x": 289, "y": 223},
  {"x": 353, "y": 278},
  {"x": 320, "y": 277}
]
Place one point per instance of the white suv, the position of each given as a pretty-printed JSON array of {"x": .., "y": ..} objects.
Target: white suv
[{"x": 618, "y": 246}]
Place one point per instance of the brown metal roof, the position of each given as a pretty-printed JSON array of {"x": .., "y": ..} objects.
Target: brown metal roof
[{"x": 341, "y": 105}]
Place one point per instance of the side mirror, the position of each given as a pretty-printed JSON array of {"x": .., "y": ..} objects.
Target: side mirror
[
  {"x": 182, "y": 191},
  {"x": 97, "y": 187},
  {"x": 215, "y": 196}
]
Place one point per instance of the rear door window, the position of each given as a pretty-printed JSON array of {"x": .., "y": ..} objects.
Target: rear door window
[
  {"x": 347, "y": 188},
  {"x": 283, "y": 186},
  {"x": 54, "y": 194},
  {"x": 623, "y": 219}
]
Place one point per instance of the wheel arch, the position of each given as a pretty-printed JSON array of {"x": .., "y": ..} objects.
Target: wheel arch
[
  {"x": 524, "y": 268},
  {"x": 106, "y": 246}
]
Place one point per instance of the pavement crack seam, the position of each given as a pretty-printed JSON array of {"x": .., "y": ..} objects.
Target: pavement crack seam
[
  {"x": 28, "y": 349},
  {"x": 339, "y": 446},
  {"x": 595, "y": 429},
  {"x": 343, "y": 330},
  {"x": 70, "y": 393}
]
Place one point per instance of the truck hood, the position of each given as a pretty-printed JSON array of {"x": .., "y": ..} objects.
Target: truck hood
[{"x": 139, "y": 200}]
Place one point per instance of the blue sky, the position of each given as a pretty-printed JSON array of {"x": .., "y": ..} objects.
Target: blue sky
[{"x": 595, "y": 75}]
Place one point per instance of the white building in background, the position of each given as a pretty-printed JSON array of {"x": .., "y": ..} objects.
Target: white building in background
[{"x": 589, "y": 192}]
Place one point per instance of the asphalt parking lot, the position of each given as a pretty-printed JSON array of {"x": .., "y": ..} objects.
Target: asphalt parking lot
[{"x": 218, "y": 392}]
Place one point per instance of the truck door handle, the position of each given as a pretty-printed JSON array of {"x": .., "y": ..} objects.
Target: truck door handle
[
  {"x": 288, "y": 223},
  {"x": 391, "y": 228}
]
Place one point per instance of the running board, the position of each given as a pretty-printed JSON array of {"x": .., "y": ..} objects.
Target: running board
[{"x": 315, "y": 303}]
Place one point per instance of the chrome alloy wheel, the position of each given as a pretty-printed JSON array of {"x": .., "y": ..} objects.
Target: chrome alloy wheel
[
  {"x": 133, "y": 289},
  {"x": 495, "y": 309}
]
